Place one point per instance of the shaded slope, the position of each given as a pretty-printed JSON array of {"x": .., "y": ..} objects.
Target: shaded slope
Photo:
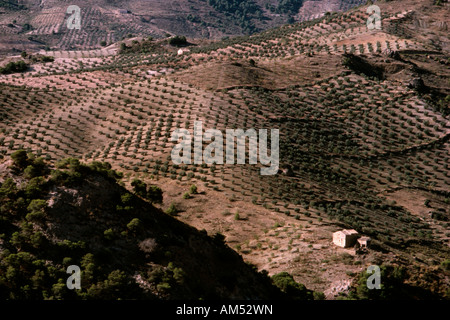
[{"x": 125, "y": 247}]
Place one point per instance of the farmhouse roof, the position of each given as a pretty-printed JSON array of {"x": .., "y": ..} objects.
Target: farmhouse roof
[{"x": 348, "y": 232}]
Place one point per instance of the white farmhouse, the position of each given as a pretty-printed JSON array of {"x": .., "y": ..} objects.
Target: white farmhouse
[{"x": 345, "y": 238}]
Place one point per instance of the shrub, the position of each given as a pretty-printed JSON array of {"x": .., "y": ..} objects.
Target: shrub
[
  {"x": 172, "y": 210},
  {"x": 318, "y": 295},
  {"x": 126, "y": 198},
  {"x": 139, "y": 187},
  {"x": 8, "y": 188},
  {"x": 13, "y": 67},
  {"x": 287, "y": 284},
  {"x": 20, "y": 159},
  {"x": 36, "y": 210},
  {"x": 117, "y": 281},
  {"x": 60, "y": 290},
  {"x": 193, "y": 189},
  {"x": 155, "y": 194},
  {"x": 47, "y": 59},
  {"x": 134, "y": 225},
  {"x": 177, "y": 41},
  {"x": 31, "y": 172},
  {"x": 109, "y": 234},
  {"x": 34, "y": 187}
]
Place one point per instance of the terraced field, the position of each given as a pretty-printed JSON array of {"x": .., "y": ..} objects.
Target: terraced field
[{"x": 359, "y": 149}]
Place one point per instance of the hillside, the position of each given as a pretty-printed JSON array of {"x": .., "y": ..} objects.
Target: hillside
[
  {"x": 363, "y": 117},
  {"x": 33, "y": 24}
]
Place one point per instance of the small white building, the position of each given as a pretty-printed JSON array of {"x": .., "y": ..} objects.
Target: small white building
[
  {"x": 364, "y": 242},
  {"x": 182, "y": 51},
  {"x": 345, "y": 238}
]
